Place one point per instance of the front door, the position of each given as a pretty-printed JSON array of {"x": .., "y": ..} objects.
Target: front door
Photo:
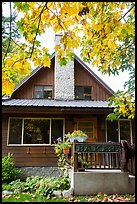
[{"x": 89, "y": 126}]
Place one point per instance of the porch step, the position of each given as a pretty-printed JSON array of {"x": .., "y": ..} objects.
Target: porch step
[{"x": 101, "y": 180}]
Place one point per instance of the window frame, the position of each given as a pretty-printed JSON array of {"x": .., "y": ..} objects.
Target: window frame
[
  {"x": 34, "y": 95},
  {"x": 119, "y": 134},
  {"x": 118, "y": 129},
  {"x": 91, "y": 88},
  {"x": 94, "y": 122},
  {"x": 23, "y": 131}
]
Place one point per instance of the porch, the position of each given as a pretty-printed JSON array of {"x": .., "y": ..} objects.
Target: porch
[
  {"x": 101, "y": 167},
  {"x": 103, "y": 156}
]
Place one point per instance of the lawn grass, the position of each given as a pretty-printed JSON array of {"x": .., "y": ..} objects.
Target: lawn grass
[{"x": 28, "y": 197}]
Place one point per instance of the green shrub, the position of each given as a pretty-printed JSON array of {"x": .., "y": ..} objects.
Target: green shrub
[
  {"x": 9, "y": 173},
  {"x": 40, "y": 186},
  {"x": 17, "y": 185}
]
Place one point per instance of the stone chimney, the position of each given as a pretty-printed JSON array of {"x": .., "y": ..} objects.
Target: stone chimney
[{"x": 64, "y": 77}]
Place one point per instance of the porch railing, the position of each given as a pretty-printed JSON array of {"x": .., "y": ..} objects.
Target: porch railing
[{"x": 98, "y": 156}]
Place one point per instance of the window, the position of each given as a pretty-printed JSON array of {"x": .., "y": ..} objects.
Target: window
[
  {"x": 83, "y": 93},
  {"x": 125, "y": 130},
  {"x": 15, "y": 131},
  {"x": 56, "y": 130},
  {"x": 112, "y": 131},
  {"x": 87, "y": 127},
  {"x": 119, "y": 130},
  {"x": 43, "y": 92},
  {"x": 35, "y": 131}
]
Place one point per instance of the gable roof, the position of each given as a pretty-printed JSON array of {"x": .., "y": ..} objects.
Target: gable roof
[
  {"x": 93, "y": 74},
  {"x": 75, "y": 57}
]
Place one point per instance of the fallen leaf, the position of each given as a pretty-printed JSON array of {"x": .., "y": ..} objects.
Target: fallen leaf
[
  {"x": 105, "y": 199},
  {"x": 99, "y": 194},
  {"x": 76, "y": 200},
  {"x": 17, "y": 197},
  {"x": 71, "y": 199},
  {"x": 6, "y": 197}
]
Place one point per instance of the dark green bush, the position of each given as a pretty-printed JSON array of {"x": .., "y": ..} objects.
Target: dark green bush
[{"x": 9, "y": 173}]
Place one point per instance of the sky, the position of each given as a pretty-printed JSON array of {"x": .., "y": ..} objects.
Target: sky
[
  {"x": 114, "y": 82},
  {"x": 48, "y": 40}
]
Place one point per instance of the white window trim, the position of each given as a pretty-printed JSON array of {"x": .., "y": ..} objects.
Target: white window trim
[{"x": 23, "y": 131}]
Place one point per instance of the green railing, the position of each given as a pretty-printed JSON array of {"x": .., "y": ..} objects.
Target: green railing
[{"x": 96, "y": 155}]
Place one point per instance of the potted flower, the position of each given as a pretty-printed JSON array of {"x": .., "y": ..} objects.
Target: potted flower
[
  {"x": 63, "y": 146},
  {"x": 78, "y": 135}
]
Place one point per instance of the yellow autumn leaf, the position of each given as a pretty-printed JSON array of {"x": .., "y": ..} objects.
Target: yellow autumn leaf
[
  {"x": 30, "y": 37},
  {"x": 37, "y": 62},
  {"x": 47, "y": 62}
]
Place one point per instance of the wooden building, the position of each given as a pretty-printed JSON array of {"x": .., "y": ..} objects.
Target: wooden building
[{"x": 39, "y": 112}]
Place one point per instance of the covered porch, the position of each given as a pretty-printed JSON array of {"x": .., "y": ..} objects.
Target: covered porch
[{"x": 102, "y": 167}]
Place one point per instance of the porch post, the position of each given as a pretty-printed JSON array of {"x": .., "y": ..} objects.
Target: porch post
[{"x": 75, "y": 155}]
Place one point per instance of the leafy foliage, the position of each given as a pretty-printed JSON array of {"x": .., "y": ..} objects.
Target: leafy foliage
[
  {"x": 40, "y": 186},
  {"x": 64, "y": 163},
  {"x": 105, "y": 32},
  {"x": 124, "y": 106},
  {"x": 9, "y": 173},
  {"x": 10, "y": 47},
  {"x": 62, "y": 145},
  {"x": 7, "y": 34}
]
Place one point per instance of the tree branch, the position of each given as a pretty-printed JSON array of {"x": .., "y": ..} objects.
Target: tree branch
[
  {"x": 19, "y": 60},
  {"x": 17, "y": 44},
  {"x": 127, "y": 12},
  {"x": 37, "y": 28},
  {"x": 59, "y": 21}
]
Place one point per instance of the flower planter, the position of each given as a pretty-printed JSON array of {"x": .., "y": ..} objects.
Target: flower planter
[
  {"x": 78, "y": 135},
  {"x": 71, "y": 139},
  {"x": 66, "y": 150},
  {"x": 79, "y": 139}
]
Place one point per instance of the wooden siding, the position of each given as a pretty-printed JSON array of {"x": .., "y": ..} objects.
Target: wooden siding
[
  {"x": 28, "y": 155},
  {"x": 84, "y": 78},
  {"x": 37, "y": 155},
  {"x": 45, "y": 76}
]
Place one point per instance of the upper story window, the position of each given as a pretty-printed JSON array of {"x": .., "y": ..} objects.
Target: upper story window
[
  {"x": 83, "y": 92},
  {"x": 43, "y": 92}
]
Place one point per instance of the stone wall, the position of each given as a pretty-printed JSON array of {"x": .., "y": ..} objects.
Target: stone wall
[
  {"x": 40, "y": 171},
  {"x": 64, "y": 78}
]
